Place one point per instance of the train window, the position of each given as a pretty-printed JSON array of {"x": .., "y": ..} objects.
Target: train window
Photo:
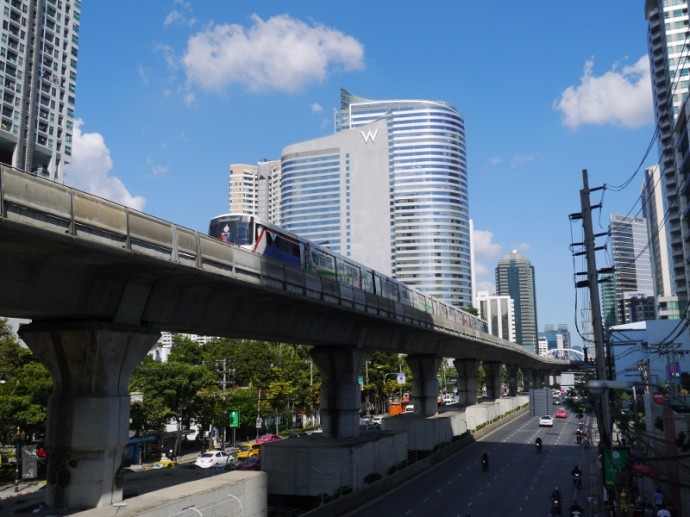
[
  {"x": 368, "y": 281},
  {"x": 234, "y": 232},
  {"x": 286, "y": 246}
]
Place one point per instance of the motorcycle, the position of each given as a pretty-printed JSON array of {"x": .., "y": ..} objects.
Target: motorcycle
[
  {"x": 556, "y": 508},
  {"x": 577, "y": 480},
  {"x": 485, "y": 464},
  {"x": 539, "y": 446}
]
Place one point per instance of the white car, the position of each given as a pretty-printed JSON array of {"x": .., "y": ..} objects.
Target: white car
[
  {"x": 546, "y": 421},
  {"x": 215, "y": 459},
  {"x": 448, "y": 400}
]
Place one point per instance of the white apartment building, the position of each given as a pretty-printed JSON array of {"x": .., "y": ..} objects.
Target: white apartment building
[
  {"x": 39, "y": 50},
  {"x": 499, "y": 313}
]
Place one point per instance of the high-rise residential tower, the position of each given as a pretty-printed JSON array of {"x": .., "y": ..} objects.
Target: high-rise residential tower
[
  {"x": 667, "y": 37},
  {"x": 652, "y": 199},
  {"x": 388, "y": 188},
  {"x": 255, "y": 189},
  {"x": 499, "y": 314},
  {"x": 515, "y": 278},
  {"x": 38, "y": 82}
]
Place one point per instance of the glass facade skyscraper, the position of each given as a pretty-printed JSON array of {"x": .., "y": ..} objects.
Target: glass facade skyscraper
[
  {"x": 632, "y": 263},
  {"x": 427, "y": 191},
  {"x": 515, "y": 278}
]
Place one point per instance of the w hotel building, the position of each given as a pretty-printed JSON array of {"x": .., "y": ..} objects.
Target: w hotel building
[{"x": 389, "y": 189}]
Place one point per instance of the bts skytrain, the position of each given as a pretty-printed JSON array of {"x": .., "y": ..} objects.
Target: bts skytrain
[{"x": 269, "y": 240}]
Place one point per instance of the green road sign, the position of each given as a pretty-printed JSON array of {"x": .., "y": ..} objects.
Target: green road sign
[{"x": 234, "y": 418}]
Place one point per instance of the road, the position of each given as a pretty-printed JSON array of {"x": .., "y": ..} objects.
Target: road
[{"x": 519, "y": 481}]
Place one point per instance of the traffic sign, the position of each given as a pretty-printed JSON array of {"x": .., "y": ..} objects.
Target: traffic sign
[
  {"x": 259, "y": 422},
  {"x": 234, "y": 418},
  {"x": 401, "y": 378}
]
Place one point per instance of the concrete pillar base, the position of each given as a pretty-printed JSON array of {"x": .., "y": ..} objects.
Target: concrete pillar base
[
  {"x": 512, "y": 379},
  {"x": 88, "y": 412},
  {"x": 493, "y": 379},
  {"x": 424, "y": 383},
  {"x": 467, "y": 381},
  {"x": 340, "y": 389}
]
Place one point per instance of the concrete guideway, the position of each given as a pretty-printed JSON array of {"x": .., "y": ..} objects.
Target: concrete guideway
[{"x": 122, "y": 275}]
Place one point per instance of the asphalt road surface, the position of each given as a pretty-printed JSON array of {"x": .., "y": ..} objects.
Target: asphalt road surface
[{"x": 519, "y": 481}]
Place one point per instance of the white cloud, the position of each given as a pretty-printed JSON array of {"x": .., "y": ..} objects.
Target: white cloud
[
  {"x": 157, "y": 170},
  {"x": 172, "y": 17},
  {"x": 521, "y": 159},
  {"x": 316, "y": 107},
  {"x": 280, "y": 53},
  {"x": 90, "y": 169},
  {"x": 620, "y": 97},
  {"x": 495, "y": 160},
  {"x": 485, "y": 253}
]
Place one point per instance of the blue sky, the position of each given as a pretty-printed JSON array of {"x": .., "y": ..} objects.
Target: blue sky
[{"x": 170, "y": 92}]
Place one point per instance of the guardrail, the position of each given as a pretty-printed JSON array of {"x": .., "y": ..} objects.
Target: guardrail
[{"x": 41, "y": 203}]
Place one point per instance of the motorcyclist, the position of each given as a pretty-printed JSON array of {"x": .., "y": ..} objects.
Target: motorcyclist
[
  {"x": 576, "y": 510},
  {"x": 538, "y": 443},
  {"x": 556, "y": 495},
  {"x": 556, "y": 499},
  {"x": 485, "y": 461},
  {"x": 577, "y": 476}
]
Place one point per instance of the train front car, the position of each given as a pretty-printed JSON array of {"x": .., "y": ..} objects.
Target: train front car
[{"x": 233, "y": 229}]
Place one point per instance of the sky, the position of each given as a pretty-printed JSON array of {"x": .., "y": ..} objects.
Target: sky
[{"x": 171, "y": 92}]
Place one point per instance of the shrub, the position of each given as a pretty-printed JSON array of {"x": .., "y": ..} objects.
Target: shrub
[{"x": 371, "y": 478}]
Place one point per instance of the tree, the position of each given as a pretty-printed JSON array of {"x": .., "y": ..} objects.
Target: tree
[
  {"x": 171, "y": 389},
  {"x": 25, "y": 388}
]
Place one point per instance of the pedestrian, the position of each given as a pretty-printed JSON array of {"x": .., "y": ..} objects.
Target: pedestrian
[
  {"x": 663, "y": 512},
  {"x": 658, "y": 498}
]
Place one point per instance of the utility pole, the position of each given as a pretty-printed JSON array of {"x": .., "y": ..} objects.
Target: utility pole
[{"x": 592, "y": 283}]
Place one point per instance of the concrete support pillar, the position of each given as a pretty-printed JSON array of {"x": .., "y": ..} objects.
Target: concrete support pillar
[
  {"x": 467, "y": 381},
  {"x": 340, "y": 389},
  {"x": 527, "y": 378},
  {"x": 424, "y": 382},
  {"x": 493, "y": 379},
  {"x": 88, "y": 412},
  {"x": 512, "y": 379}
]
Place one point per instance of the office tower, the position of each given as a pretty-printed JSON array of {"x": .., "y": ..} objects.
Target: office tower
[
  {"x": 406, "y": 207},
  {"x": 652, "y": 200},
  {"x": 631, "y": 262},
  {"x": 499, "y": 313},
  {"x": 557, "y": 336},
  {"x": 255, "y": 190},
  {"x": 667, "y": 36},
  {"x": 515, "y": 278},
  {"x": 38, "y": 81}
]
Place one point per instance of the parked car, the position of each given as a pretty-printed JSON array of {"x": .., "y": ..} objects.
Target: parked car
[
  {"x": 213, "y": 459},
  {"x": 546, "y": 421},
  {"x": 253, "y": 463},
  {"x": 561, "y": 413},
  {"x": 248, "y": 450},
  {"x": 409, "y": 408},
  {"x": 447, "y": 400},
  {"x": 366, "y": 420},
  {"x": 268, "y": 437}
]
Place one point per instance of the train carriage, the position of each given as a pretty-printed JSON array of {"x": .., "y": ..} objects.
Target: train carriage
[{"x": 272, "y": 241}]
